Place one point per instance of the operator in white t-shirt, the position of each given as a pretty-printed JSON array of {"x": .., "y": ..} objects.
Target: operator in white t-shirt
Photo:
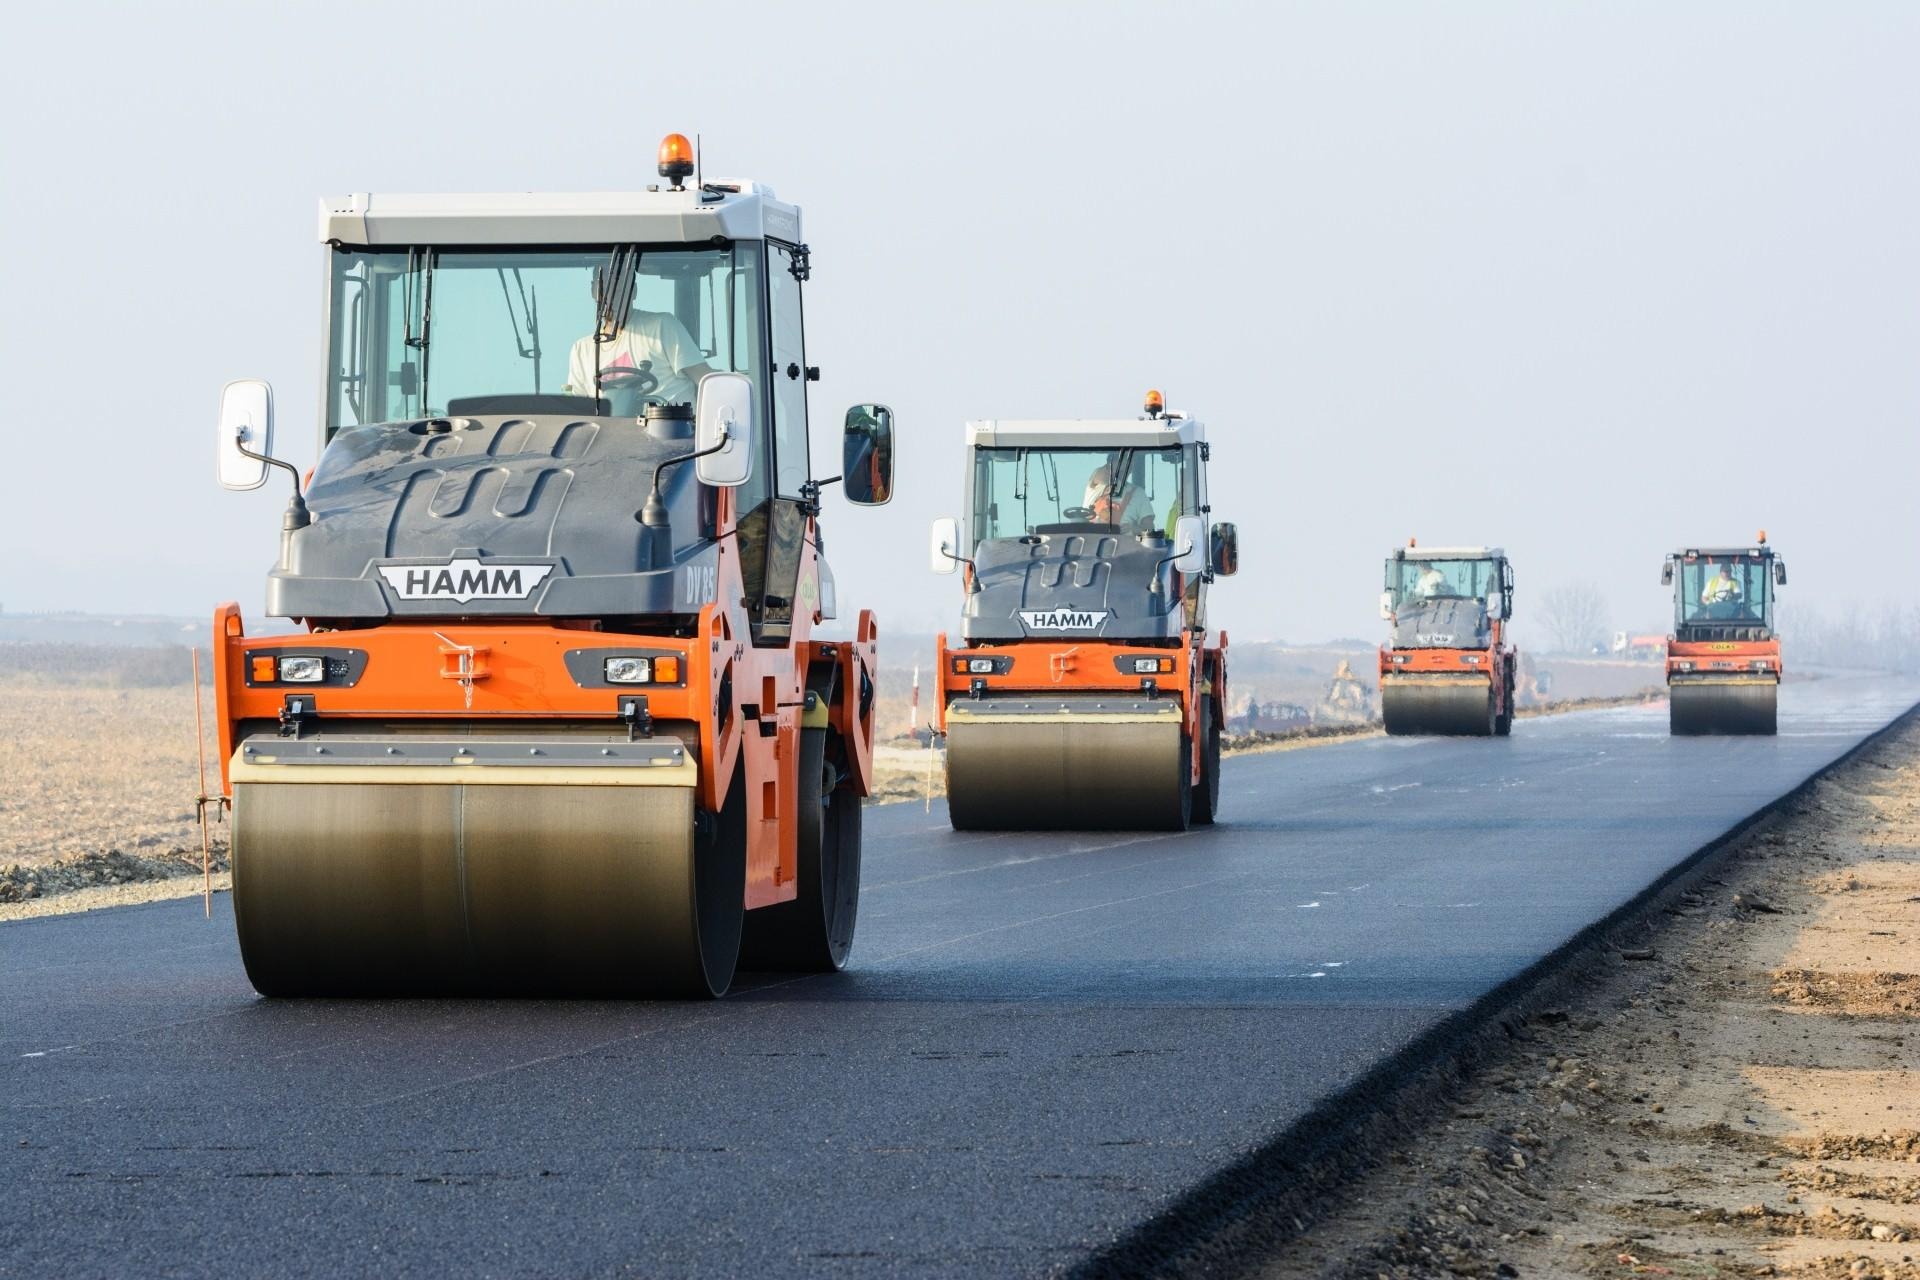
[{"x": 656, "y": 339}]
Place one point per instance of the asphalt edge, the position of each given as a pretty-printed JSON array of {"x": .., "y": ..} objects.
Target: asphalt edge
[{"x": 1227, "y": 1224}]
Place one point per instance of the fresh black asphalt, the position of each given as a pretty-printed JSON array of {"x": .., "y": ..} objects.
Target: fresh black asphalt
[{"x": 1042, "y": 1039}]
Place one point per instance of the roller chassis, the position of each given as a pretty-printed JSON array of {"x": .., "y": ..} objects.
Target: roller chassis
[
  {"x": 1490, "y": 673},
  {"x": 738, "y": 712},
  {"x": 1101, "y": 719},
  {"x": 1723, "y": 686}
]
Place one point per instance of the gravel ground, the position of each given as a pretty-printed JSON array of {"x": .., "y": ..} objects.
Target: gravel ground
[{"x": 1736, "y": 1094}]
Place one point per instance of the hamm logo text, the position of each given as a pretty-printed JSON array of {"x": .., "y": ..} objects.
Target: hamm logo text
[
  {"x": 464, "y": 580},
  {"x": 1063, "y": 619}
]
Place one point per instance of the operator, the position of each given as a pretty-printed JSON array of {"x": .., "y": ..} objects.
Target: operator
[
  {"x": 1105, "y": 508},
  {"x": 653, "y": 342},
  {"x": 1722, "y": 588},
  {"x": 1430, "y": 583}
]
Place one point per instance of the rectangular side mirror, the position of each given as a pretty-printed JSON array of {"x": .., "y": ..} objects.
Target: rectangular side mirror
[
  {"x": 1386, "y": 606},
  {"x": 1779, "y": 573},
  {"x": 945, "y": 545},
  {"x": 866, "y": 455},
  {"x": 1666, "y": 574},
  {"x": 246, "y": 426},
  {"x": 723, "y": 429},
  {"x": 1224, "y": 555},
  {"x": 1496, "y": 606},
  {"x": 1190, "y": 545}
]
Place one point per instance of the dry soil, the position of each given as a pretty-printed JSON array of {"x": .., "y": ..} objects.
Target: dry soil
[{"x": 1735, "y": 1093}]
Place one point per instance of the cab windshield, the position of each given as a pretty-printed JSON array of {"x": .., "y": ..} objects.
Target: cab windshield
[
  {"x": 1725, "y": 589},
  {"x": 1017, "y": 492},
  {"x": 429, "y": 332},
  {"x": 1441, "y": 579}
]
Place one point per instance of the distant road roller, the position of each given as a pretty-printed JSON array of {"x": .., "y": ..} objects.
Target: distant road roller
[
  {"x": 556, "y": 721},
  {"x": 1085, "y": 692},
  {"x": 1723, "y": 659},
  {"x": 1447, "y": 667}
]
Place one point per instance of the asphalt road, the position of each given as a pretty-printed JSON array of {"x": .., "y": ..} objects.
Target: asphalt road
[{"x": 1042, "y": 1039}]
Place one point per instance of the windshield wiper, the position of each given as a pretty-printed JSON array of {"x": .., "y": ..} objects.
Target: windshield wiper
[
  {"x": 615, "y": 298},
  {"x": 530, "y": 309},
  {"x": 1117, "y": 477},
  {"x": 418, "y": 287}
]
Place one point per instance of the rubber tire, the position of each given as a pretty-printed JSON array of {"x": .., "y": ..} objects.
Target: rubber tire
[
  {"x": 814, "y": 932},
  {"x": 1206, "y": 792},
  {"x": 1183, "y": 819}
]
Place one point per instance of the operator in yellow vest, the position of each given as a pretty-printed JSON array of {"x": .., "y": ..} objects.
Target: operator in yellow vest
[{"x": 1721, "y": 589}]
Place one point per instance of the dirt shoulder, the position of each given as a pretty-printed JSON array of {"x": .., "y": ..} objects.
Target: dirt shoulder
[{"x": 1734, "y": 1091}]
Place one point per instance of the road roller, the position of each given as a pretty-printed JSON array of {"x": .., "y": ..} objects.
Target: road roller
[
  {"x": 1085, "y": 692},
  {"x": 1447, "y": 668},
  {"x": 1723, "y": 658},
  {"x": 554, "y": 716}
]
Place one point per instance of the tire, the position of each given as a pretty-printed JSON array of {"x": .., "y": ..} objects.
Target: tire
[
  {"x": 1182, "y": 817},
  {"x": 814, "y": 932},
  {"x": 1206, "y": 792}
]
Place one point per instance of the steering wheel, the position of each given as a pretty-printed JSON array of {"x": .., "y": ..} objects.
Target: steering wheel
[
  {"x": 1082, "y": 514},
  {"x": 639, "y": 381}
]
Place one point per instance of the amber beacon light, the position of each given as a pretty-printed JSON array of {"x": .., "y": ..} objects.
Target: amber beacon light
[
  {"x": 676, "y": 159},
  {"x": 1156, "y": 404}
]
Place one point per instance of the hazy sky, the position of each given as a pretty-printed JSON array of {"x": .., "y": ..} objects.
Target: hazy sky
[{"x": 1586, "y": 280}]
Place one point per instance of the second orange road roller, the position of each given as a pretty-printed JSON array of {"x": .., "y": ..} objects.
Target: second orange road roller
[
  {"x": 1086, "y": 691},
  {"x": 1723, "y": 659},
  {"x": 555, "y": 719},
  {"x": 1448, "y": 667}
]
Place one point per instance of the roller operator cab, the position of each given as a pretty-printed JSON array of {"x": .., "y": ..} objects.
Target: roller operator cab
[
  {"x": 1085, "y": 691},
  {"x": 557, "y": 720},
  {"x": 1448, "y": 667},
  {"x": 1723, "y": 659}
]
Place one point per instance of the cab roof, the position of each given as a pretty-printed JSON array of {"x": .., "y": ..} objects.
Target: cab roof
[
  {"x": 1751, "y": 549},
  {"x": 1084, "y": 433},
  {"x": 728, "y": 208},
  {"x": 1449, "y": 553}
]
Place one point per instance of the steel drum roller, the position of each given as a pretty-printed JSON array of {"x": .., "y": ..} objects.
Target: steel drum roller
[
  {"x": 1723, "y": 706},
  {"x": 568, "y": 874},
  {"x": 1068, "y": 764},
  {"x": 1460, "y": 705}
]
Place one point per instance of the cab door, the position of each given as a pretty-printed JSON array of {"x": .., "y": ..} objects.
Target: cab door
[{"x": 786, "y": 515}]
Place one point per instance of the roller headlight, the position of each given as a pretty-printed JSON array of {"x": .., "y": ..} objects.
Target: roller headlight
[
  {"x": 629, "y": 670},
  {"x": 303, "y": 670}
]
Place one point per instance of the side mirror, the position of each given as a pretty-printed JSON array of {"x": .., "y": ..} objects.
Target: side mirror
[
  {"x": 1190, "y": 545},
  {"x": 723, "y": 429},
  {"x": 1666, "y": 574},
  {"x": 246, "y": 427},
  {"x": 943, "y": 553},
  {"x": 1386, "y": 606},
  {"x": 866, "y": 455},
  {"x": 1224, "y": 556},
  {"x": 1496, "y": 606},
  {"x": 1779, "y": 573}
]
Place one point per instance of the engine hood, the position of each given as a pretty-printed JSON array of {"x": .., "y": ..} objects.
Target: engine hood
[
  {"x": 1084, "y": 585},
  {"x": 1446, "y": 623},
  {"x": 496, "y": 516}
]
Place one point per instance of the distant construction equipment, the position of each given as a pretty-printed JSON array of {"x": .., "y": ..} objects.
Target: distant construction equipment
[
  {"x": 1723, "y": 661},
  {"x": 1447, "y": 668}
]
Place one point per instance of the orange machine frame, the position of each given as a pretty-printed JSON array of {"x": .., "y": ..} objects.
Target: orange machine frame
[
  {"x": 1049, "y": 666},
  {"x": 1724, "y": 658},
  {"x": 1499, "y": 659},
  {"x": 507, "y": 669}
]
